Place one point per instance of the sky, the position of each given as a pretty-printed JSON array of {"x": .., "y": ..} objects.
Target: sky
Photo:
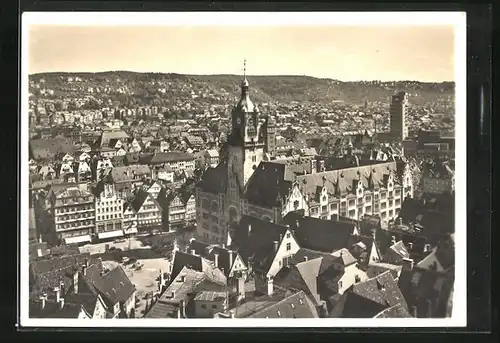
[{"x": 347, "y": 53}]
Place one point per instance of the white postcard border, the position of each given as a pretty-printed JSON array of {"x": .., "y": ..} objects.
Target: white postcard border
[{"x": 457, "y": 19}]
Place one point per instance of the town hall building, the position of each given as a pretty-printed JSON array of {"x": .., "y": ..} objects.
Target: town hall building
[{"x": 250, "y": 181}]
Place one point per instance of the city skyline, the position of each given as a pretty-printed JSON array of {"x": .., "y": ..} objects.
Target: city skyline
[{"x": 408, "y": 53}]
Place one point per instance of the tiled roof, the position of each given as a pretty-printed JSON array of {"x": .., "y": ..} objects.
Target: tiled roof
[
  {"x": 178, "y": 290},
  {"x": 344, "y": 257},
  {"x": 87, "y": 300},
  {"x": 435, "y": 217},
  {"x": 399, "y": 249},
  {"x": 49, "y": 148},
  {"x": 305, "y": 273},
  {"x": 215, "y": 180},
  {"x": 210, "y": 296},
  {"x": 49, "y": 272},
  {"x": 107, "y": 136},
  {"x": 126, "y": 173},
  {"x": 140, "y": 198},
  {"x": 318, "y": 234},
  {"x": 367, "y": 299},
  {"x": 304, "y": 253},
  {"x": 208, "y": 251},
  {"x": 341, "y": 181},
  {"x": 258, "y": 242},
  {"x": 269, "y": 184},
  {"x": 421, "y": 285},
  {"x": 396, "y": 311},
  {"x": 297, "y": 305},
  {"x": 114, "y": 286},
  {"x": 166, "y": 157},
  {"x": 199, "y": 264},
  {"x": 53, "y": 309}
]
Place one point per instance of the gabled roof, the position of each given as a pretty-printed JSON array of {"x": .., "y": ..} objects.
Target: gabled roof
[
  {"x": 421, "y": 285},
  {"x": 53, "y": 309},
  {"x": 139, "y": 199},
  {"x": 114, "y": 286},
  {"x": 318, "y": 234},
  {"x": 187, "y": 281},
  {"x": 87, "y": 300},
  {"x": 254, "y": 239},
  {"x": 367, "y": 299},
  {"x": 208, "y": 251},
  {"x": 49, "y": 148},
  {"x": 126, "y": 173},
  {"x": 307, "y": 273},
  {"x": 167, "y": 157},
  {"x": 48, "y": 273},
  {"x": 269, "y": 184},
  {"x": 396, "y": 311},
  {"x": 399, "y": 249},
  {"x": 199, "y": 264},
  {"x": 215, "y": 180},
  {"x": 297, "y": 305}
]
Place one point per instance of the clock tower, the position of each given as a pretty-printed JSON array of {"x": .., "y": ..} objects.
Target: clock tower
[{"x": 246, "y": 143}]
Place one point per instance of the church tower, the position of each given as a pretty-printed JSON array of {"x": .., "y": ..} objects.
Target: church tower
[{"x": 246, "y": 142}]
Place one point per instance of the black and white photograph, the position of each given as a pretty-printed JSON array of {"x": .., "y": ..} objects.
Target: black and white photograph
[{"x": 231, "y": 166}]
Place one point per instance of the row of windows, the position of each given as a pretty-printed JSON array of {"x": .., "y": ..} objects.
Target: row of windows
[
  {"x": 110, "y": 202},
  {"x": 109, "y": 227},
  {"x": 74, "y": 209},
  {"x": 74, "y": 216},
  {"x": 75, "y": 224},
  {"x": 108, "y": 209},
  {"x": 177, "y": 216},
  {"x": 148, "y": 215},
  {"x": 109, "y": 216}
]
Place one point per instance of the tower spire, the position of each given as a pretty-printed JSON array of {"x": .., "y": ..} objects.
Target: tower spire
[{"x": 245, "y": 68}]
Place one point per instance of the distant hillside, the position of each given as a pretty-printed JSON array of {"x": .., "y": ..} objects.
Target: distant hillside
[{"x": 224, "y": 88}]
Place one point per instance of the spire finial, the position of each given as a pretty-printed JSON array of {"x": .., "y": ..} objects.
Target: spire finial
[{"x": 245, "y": 68}]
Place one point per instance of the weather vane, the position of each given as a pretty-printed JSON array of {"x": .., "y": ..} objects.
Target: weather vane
[{"x": 245, "y": 67}]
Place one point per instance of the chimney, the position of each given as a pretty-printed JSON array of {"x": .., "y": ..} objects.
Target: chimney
[
  {"x": 40, "y": 239},
  {"x": 249, "y": 228},
  {"x": 410, "y": 246},
  {"x": 408, "y": 263},
  {"x": 57, "y": 292},
  {"x": 231, "y": 258},
  {"x": 182, "y": 308},
  {"x": 61, "y": 303},
  {"x": 400, "y": 221},
  {"x": 276, "y": 246},
  {"x": 39, "y": 252},
  {"x": 43, "y": 299},
  {"x": 75, "y": 282},
  {"x": 270, "y": 286},
  {"x": 281, "y": 237},
  {"x": 415, "y": 312},
  {"x": 216, "y": 260},
  {"x": 84, "y": 269},
  {"x": 193, "y": 252}
]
